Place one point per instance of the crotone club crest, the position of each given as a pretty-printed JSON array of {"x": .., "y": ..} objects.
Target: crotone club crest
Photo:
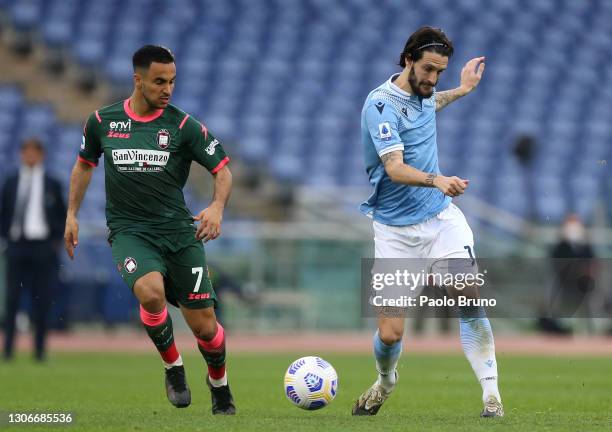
[
  {"x": 130, "y": 265},
  {"x": 163, "y": 139}
]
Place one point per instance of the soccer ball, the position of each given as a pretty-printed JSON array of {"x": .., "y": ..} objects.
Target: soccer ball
[{"x": 311, "y": 383}]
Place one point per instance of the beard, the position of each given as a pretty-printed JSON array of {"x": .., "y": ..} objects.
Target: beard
[
  {"x": 153, "y": 104},
  {"x": 417, "y": 87}
]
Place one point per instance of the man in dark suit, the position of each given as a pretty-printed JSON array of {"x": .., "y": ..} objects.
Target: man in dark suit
[
  {"x": 575, "y": 269},
  {"x": 32, "y": 221}
]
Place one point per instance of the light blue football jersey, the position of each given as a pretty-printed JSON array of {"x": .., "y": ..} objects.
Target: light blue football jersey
[{"x": 392, "y": 120}]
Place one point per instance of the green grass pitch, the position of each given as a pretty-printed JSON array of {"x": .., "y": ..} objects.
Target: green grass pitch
[{"x": 115, "y": 392}]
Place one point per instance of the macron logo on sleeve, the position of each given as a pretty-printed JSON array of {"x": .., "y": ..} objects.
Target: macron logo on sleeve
[{"x": 384, "y": 131}]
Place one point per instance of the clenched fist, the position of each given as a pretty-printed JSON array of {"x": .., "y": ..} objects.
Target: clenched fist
[{"x": 450, "y": 186}]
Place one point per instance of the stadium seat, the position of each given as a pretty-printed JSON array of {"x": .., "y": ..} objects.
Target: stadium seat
[{"x": 293, "y": 75}]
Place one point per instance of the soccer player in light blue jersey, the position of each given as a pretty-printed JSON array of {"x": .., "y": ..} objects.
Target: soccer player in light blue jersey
[{"x": 411, "y": 207}]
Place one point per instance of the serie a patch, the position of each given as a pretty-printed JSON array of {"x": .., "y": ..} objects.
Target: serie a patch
[{"x": 384, "y": 131}]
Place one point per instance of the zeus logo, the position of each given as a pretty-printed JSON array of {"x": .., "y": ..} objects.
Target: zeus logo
[
  {"x": 121, "y": 126},
  {"x": 210, "y": 149}
]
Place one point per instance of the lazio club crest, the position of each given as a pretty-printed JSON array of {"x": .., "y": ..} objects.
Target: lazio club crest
[{"x": 163, "y": 139}]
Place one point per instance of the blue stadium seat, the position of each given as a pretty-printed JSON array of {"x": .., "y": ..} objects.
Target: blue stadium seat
[
  {"x": 90, "y": 51},
  {"x": 292, "y": 77},
  {"x": 10, "y": 97},
  {"x": 27, "y": 15}
]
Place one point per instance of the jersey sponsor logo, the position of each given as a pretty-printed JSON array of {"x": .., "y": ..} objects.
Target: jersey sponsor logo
[
  {"x": 119, "y": 129},
  {"x": 380, "y": 106},
  {"x": 112, "y": 134},
  {"x": 163, "y": 139},
  {"x": 121, "y": 126},
  {"x": 140, "y": 160},
  {"x": 384, "y": 130},
  {"x": 198, "y": 296},
  {"x": 210, "y": 149},
  {"x": 130, "y": 265}
]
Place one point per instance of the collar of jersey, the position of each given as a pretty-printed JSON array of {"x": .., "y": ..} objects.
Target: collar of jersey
[
  {"x": 143, "y": 119},
  {"x": 403, "y": 93},
  {"x": 396, "y": 89}
]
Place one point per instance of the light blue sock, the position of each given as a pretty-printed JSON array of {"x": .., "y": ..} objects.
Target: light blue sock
[
  {"x": 479, "y": 348},
  {"x": 387, "y": 357}
]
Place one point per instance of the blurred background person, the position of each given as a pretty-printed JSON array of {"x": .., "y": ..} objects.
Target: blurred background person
[
  {"x": 32, "y": 224},
  {"x": 525, "y": 151},
  {"x": 573, "y": 262}
]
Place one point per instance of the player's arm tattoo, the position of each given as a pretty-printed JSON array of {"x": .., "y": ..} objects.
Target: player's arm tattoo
[
  {"x": 429, "y": 180},
  {"x": 400, "y": 172},
  {"x": 391, "y": 157},
  {"x": 443, "y": 98}
]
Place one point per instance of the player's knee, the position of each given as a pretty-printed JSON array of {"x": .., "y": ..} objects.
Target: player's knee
[
  {"x": 390, "y": 336},
  {"x": 204, "y": 324},
  {"x": 149, "y": 291},
  {"x": 459, "y": 276},
  {"x": 153, "y": 303},
  {"x": 152, "y": 298},
  {"x": 205, "y": 330}
]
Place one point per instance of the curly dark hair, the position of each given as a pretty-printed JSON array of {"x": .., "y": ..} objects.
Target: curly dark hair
[{"x": 426, "y": 39}]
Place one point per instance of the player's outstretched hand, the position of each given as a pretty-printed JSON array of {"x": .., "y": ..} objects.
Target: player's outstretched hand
[
  {"x": 71, "y": 235},
  {"x": 210, "y": 223},
  {"x": 472, "y": 73},
  {"x": 451, "y": 186}
]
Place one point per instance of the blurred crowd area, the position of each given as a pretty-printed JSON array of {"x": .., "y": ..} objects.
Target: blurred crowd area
[{"x": 281, "y": 83}]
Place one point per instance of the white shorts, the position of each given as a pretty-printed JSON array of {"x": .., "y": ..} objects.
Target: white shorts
[{"x": 446, "y": 235}]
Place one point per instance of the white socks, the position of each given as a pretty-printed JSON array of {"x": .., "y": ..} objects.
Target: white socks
[
  {"x": 218, "y": 382},
  {"x": 479, "y": 348},
  {"x": 387, "y": 357},
  {"x": 489, "y": 388},
  {"x": 177, "y": 362},
  {"x": 387, "y": 381}
]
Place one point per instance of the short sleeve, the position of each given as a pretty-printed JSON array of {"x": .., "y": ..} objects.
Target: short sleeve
[
  {"x": 382, "y": 121},
  {"x": 203, "y": 146},
  {"x": 91, "y": 148}
]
